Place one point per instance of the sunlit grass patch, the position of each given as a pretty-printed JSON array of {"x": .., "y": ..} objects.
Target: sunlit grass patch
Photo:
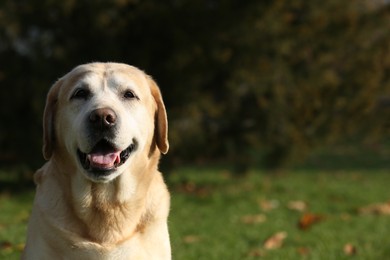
[
  {"x": 237, "y": 215},
  {"x": 304, "y": 213}
]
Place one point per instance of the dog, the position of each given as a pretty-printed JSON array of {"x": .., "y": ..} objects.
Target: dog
[{"x": 100, "y": 194}]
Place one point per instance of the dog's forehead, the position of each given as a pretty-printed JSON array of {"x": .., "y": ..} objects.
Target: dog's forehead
[
  {"x": 111, "y": 76},
  {"x": 125, "y": 78}
]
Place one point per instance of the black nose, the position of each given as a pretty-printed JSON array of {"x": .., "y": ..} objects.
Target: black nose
[{"x": 102, "y": 118}]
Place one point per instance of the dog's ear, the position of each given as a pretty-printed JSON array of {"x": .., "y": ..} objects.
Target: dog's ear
[
  {"x": 161, "y": 120},
  {"x": 49, "y": 119}
]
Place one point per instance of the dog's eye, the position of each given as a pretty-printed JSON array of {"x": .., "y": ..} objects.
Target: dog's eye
[
  {"x": 80, "y": 93},
  {"x": 128, "y": 94}
]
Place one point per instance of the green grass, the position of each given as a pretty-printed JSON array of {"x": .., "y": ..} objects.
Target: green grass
[
  {"x": 208, "y": 206},
  {"x": 14, "y": 212}
]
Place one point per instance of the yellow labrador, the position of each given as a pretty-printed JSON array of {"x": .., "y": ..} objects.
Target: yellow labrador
[{"x": 100, "y": 195}]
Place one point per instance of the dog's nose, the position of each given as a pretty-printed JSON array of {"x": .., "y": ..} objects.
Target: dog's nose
[{"x": 103, "y": 118}]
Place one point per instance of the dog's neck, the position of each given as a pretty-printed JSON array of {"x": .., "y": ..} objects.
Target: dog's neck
[{"x": 108, "y": 212}]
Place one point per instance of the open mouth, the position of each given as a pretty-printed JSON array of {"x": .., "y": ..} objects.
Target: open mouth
[{"x": 104, "y": 157}]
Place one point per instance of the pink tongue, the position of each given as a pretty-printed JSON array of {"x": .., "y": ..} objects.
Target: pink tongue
[{"x": 107, "y": 160}]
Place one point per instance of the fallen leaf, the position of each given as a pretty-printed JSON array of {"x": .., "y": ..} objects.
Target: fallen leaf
[
  {"x": 378, "y": 209},
  {"x": 345, "y": 217},
  {"x": 303, "y": 251},
  {"x": 190, "y": 239},
  {"x": 267, "y": 205},
  {"x": 6, "y": 246},
  {"x": 309, "y": 219},
  {"x": 275, "y": 241},
  {"x": 192, "y": 188},
  {"x": 297, "y": 205},
  {"x": 256, "y": 253},
  {"x": 350, "y": 249},
  {"x": 253, "y": 219}
]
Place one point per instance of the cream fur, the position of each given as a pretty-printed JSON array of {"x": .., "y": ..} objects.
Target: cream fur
[{"x": 123, "y": 215}]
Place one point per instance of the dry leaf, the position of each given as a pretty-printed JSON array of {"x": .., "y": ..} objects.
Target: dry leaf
[
  {"x": 378, "y": 209},
  {"x": 192, "y": 188},
  {"x": 303, "y": 251},
  {"x": 190, "y": 239},
  {"x": 350, "y": 249},
  {"x": 297, "y": 205},
  {"x": 5, "y": 245},
  {"x": 275, "y": 241},
  {"x": 256, "y": 253},
  {"x": 268, "y": 205},
  {"x": 253, "y": 219},
  {"x": 308, "y": 219},
  {"x": 345, "y": 217}
]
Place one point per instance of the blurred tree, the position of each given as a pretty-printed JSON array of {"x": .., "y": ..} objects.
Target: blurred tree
[
  {"x": 245, "y": 80},
  {"x": 317, "y": 74}
]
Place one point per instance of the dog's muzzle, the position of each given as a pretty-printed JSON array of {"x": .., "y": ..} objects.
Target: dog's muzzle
[{"x": 104, "y": 157}]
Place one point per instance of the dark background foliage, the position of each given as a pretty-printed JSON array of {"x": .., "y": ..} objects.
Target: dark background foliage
[{"x": 244, "y": 81}]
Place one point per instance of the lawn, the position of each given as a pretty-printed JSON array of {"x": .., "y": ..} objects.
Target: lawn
[{"x": 215, "y": 215}]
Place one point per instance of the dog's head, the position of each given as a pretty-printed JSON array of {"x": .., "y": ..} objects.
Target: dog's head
[{"x": 101, "y": 115}]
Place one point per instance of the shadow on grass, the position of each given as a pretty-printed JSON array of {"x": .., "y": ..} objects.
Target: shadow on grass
[{"x": 348, "y": 157}]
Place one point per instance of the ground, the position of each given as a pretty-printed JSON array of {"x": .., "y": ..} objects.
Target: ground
[{"x": 295, "y": 214}]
